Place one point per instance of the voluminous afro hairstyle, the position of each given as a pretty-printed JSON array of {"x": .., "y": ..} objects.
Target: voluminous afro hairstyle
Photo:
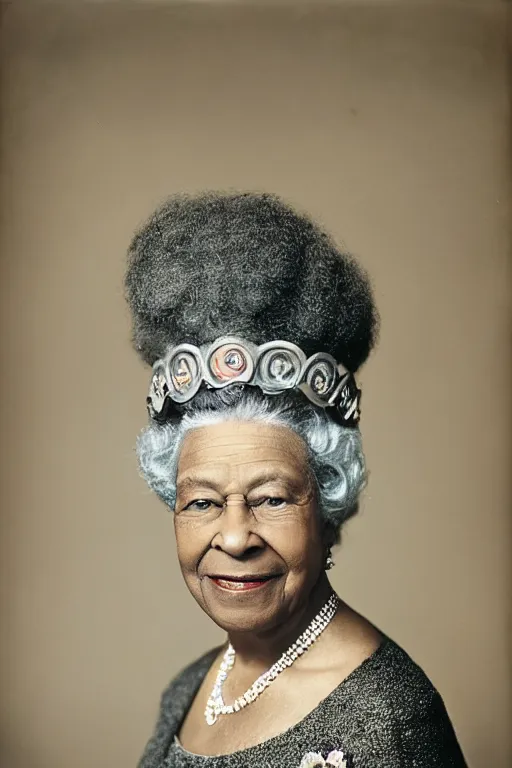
[{"x": 248, "y": 265}]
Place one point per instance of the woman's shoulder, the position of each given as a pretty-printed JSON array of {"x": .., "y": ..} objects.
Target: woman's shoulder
[
  {"x": 391, "y": 677},
  {"x": 389, "y": 708},
  {"x": 397, "y": 670}
]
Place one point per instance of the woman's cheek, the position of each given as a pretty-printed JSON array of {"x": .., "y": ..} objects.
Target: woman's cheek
[{"x": 188, "y": 544}]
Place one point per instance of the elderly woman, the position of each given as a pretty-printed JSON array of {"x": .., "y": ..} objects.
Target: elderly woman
[{"x": 255, "y": 324}]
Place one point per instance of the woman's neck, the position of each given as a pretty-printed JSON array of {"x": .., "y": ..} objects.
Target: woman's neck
[{"x": 263, "y": 649}]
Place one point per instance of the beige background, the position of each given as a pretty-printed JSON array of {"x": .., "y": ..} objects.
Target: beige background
[{"x": 388, "y": 123}]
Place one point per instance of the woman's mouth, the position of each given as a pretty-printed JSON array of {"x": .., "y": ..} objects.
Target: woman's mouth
[{"x": 241, "y": 583}]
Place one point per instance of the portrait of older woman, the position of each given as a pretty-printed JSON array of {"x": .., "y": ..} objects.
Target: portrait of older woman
[
  {"x": 256, "y": 302},
  {"x": 255, "y": 324}
]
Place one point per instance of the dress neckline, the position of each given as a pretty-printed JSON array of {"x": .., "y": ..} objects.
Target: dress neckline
[{"x": 360, "y": 669}]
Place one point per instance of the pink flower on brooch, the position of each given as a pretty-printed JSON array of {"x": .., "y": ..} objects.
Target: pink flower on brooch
[{"x": 334, "y": 759}]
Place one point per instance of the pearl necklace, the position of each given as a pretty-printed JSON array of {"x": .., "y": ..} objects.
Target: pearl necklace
[{"x": 215, "y": 705}]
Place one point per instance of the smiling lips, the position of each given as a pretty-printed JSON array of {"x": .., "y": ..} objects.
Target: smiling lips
[{"x": 241, "y": 583}]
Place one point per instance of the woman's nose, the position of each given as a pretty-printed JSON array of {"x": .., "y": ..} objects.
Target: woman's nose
[{"x": 236, "y": 535}]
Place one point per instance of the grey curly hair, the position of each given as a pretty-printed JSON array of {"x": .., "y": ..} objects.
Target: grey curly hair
[
  {"x": 335, "y": 453},
  {"x": 246, "y": 264}
]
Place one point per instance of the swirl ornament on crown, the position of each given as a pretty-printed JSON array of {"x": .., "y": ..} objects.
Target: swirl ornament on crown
[{"x": 274, "y": 367}]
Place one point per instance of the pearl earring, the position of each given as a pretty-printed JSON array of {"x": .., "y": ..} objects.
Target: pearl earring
[{"x": 329, "y": 562}]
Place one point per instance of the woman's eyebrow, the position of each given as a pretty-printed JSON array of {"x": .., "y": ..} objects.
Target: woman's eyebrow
[
  {"x": 272, "y": 477},
  {"x": 193, "y": 481}
]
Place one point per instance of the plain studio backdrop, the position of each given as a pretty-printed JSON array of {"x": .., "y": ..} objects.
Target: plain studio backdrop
[{"x": 389, "y": 124}]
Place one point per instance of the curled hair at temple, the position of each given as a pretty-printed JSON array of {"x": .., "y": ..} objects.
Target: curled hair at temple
[{"x": 335, "y": 452}]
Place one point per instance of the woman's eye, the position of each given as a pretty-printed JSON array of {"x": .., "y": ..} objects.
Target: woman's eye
[
  {"x": 199, "y": 505},
  {"x": 271, "y": 501}
]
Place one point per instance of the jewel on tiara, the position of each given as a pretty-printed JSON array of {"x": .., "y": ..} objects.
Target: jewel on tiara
[{"x": 274, "y": 367}]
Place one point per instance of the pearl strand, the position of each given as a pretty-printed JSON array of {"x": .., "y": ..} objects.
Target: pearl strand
[{"x": 215, "y": 705}]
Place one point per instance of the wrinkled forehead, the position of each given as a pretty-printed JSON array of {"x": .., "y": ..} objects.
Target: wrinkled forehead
[{"x": 243, "y": 451}]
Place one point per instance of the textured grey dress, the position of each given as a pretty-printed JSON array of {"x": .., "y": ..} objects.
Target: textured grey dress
[{"x": 385, "y": 714}]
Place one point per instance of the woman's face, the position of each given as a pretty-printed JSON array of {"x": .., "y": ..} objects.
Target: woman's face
[{"x": 248, "y": 533}]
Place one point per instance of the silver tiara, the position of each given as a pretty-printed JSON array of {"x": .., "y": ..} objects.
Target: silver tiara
[{"x": 274, "y": 367}]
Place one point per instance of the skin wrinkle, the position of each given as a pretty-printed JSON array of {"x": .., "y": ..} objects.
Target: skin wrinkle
[
  {"x": 199, "y": 479},
  {"x": 238, "y": 538}
]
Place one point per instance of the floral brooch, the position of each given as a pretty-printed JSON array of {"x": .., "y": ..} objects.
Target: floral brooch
[{"x": 334, "y": 759}]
